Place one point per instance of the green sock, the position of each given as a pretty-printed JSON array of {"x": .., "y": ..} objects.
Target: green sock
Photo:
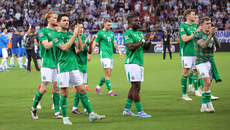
[
  {"x": 184, "y": 84},
  {"x": 138, "y": 106},
  {"x": 190, "y": 77},
  {"x": 128, "y": 104},
  {"x": 76, "y": 99},
  {"x": 37, "y": 99},
  {"x": 86, "y": 103},
  {"x": 208, "y": 96},
  {"x": 63, "y": 102},
  {"x": 102, "y": 81},
  {"x": 56, "y": 99},
  {"x": 83, "y": 105},
  {"x": 195, "y": 81},
  {"x": 201, "y": 82},
  {"x": 203, "y": 98},
  {"x": 108, "y": 84}
]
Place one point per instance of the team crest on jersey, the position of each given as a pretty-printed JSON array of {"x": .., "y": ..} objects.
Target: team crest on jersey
[
  {"x": 133, "y": 78},
  {"x": 182, "y": 29},
  {"x": 104, "y": 35},
  {"x": 185, "y": 65},
  {"x": 61, "y": 83},
  {"x": 126, "y": 37},
  {"x": 41, "y": 34},
  {"x": 202, "y": 74},
  {"x": 142, "y": 35},
  {"x": 55, "y": 40},
  {"x": 111, "y": 34},
  {"x": 44, "y": 77}
]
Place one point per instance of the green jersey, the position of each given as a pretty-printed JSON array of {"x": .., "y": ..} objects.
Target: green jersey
[
  {"x": 203, "y": 54},
  {"x": 66, "y": 60},
  {"x": 187, "y": 49},
  {"x": 135, "y": 56},
  {"x": 82, "y": 56},
  {"x": 49, "y": 59},
  {"x": 105, "y": 40}
]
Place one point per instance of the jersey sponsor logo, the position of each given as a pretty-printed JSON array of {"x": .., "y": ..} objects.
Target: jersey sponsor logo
[
  {"x": 126, "y": 37},
  {"x": 182, "y": 29},
  {"x": 55, "y": 40},
  {"x": 41, "y": 35}
]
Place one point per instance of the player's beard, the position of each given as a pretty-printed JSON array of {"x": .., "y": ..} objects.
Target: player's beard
[{"x": 135, "y": 27}]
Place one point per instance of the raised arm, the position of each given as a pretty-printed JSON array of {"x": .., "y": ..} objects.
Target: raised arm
[
  {"x": 216, "y": 42},
  {"x": 186, "y": 38},
  {"x": 65, "y": 46},
  {"x": 148, "y": 43},
  {"x": 204, "y": 43}
]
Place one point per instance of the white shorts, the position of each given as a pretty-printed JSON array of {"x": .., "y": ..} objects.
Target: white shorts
[
  {"x": 4, "y": 53},
  {"x": 134, "y": 72},
  {"x": 69, "y": 79},
  {"x": 48, "y": 74},
  {"x": 188, "y": 62},
  {"x": 204, "y": 70},
  {"x": 107, "y": 63},
  {"x": 84, "y": 76}
]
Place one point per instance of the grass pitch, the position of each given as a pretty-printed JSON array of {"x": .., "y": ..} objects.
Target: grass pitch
[{"x": 160, "y": 96}]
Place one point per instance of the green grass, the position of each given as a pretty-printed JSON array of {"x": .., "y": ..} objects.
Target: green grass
[{"x": 160, "y": 96}]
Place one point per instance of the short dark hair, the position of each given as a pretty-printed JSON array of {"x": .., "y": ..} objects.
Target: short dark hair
[
  {"x": 204, "y": 19},
  {"x": 130, "y": 18},
  {"x": 60, "y": 16}
]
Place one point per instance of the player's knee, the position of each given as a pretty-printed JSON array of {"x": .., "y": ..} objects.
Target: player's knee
[{"x": 64, "y": 92}]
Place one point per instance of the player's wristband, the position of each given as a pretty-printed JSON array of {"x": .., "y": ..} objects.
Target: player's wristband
[{"x": 143, "y": 40}]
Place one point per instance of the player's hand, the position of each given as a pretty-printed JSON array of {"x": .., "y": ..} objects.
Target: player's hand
[
  {"x": 76, "y": 31},
  {"x": 3, "y": 25},
  {"x": 87, "y": 39},
  {"x": 147, "y": 36},
  {"x": 10, "y": 37},
  {"x": 89, "y": 57},
  {"x": 122, "y": 56},
  {"x": 213, "y": 31},
  {"x": 92, "y": 39},
  {"x": 153, "y": 36}
]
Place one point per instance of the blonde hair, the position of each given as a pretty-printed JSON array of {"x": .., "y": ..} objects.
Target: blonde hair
[
  {"x": 48, "y": 15},
  {"x": 107, "y": 20},
  {"x": 187, "y": 11}
]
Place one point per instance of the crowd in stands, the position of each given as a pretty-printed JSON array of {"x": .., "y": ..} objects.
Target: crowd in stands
[{"x": 154, "y": 14}]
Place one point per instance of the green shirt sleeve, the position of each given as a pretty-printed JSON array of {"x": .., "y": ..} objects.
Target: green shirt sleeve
[
  {"x": 57, "y": 40},
  {"x": 127, "y": 38},
  {"x": 42, "y": 35},
  {"x": 98, "y": 38},
  {"x": 182, "y": 30}
]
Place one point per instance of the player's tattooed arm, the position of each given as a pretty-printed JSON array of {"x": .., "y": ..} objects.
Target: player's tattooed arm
[
  {"x": 47, "y": 44},
  {"x": 61, "y": 45},
  {"x": 204, "y": 43},
  {"x": 216, "y": 42}
]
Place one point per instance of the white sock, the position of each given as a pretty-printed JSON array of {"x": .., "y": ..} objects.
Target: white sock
[
  {"x": 210, "y": 104},
  {"x": 26, "y": 62},
  {"x": 6, "y": 66},
  {"x": 21, "y": 58},
  {"x": 3, "y": 63},
  {"x": 98, "y": 87},
  {"x": 65, "y": 118},
  {"x": 18, "y": 59},
  {"x": 204, "y": 105},
  {"x": 90, "y": 114},
  {"x": 74, "y": 108},
  {"x": 12, "y": 61},
  {"x": 85, "y": 110},
  {"x": 40, "y": 62}
]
